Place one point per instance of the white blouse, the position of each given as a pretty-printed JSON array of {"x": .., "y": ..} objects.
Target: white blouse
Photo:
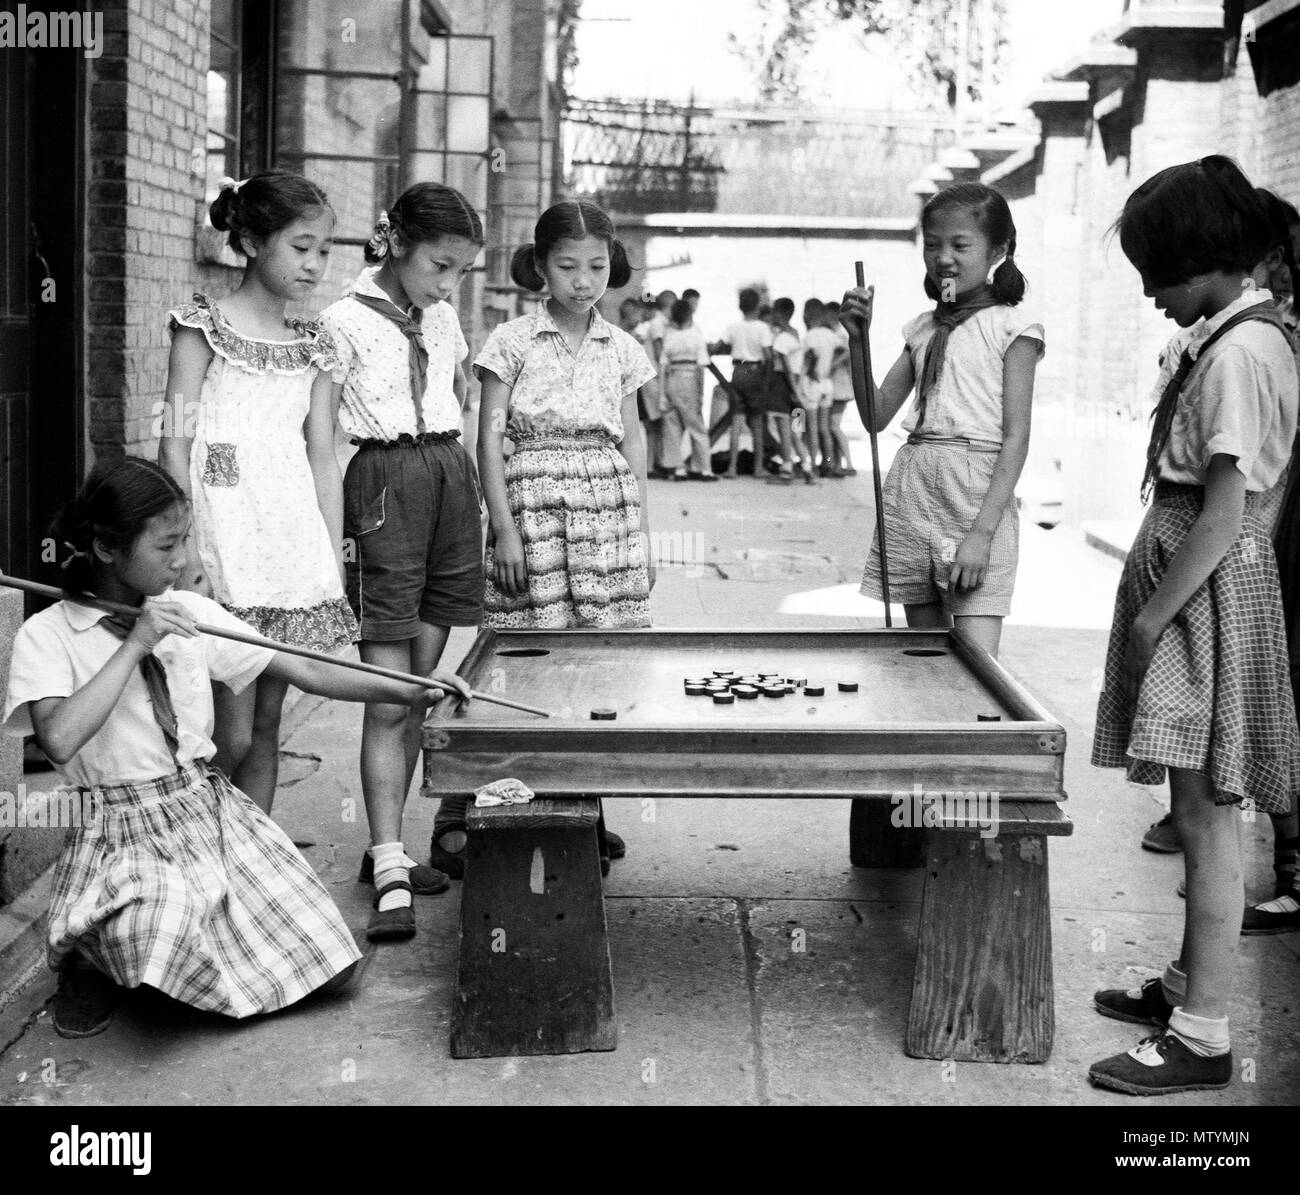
[
  {"x": 58, "y": 651},
  {"x": 374, "y": 366}
]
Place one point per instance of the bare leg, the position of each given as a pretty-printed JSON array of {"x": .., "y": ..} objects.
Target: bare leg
[
  {"x": 825, "y": 441},
  {"x": 756, "y": 433},
  {"x": 787, "y": 446},
  {"x": 257, "y": 773},
  {"x": 1212, "y": 919},
  {"x": 426, "y": 651},
  {"x": 737, "y": 422},
  {"x": 839, "y": 441},
  {"x": 985, "y": 629},
  {"x": 385, "y": 765},
  {"x": 232, "y": 729},
  {"x": 928, "y": 616}
]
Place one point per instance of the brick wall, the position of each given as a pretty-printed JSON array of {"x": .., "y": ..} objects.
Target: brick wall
[
  {"x": 146, "y": 124},
  {"x": 1276, "y": 113}
]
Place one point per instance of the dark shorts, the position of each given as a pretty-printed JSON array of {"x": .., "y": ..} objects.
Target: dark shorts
[
  {"x": 411, "y": 519},
  {"x": 749, "y": 381}
]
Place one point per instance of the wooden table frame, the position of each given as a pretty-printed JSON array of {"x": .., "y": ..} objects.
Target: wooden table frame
[{"x": 982, "y": 986}]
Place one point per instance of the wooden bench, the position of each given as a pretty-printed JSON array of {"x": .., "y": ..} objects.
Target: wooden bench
[{"x": 534, "y": 971}]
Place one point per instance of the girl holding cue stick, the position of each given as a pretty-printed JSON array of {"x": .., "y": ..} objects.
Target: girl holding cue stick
[
  {"x": 179, "y": 882},
  {"x": 948, "y": 504},
  {"x": 204, "y": 628}
]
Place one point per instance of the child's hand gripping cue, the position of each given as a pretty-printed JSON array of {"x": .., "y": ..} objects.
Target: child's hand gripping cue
[
  {"x": 156, "y": 621},
  {"x": 856, "y": 310},
  {"x": 457, "y": 690}
]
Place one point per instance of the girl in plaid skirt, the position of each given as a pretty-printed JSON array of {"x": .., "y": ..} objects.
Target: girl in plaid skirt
[
  {"x": 176, "y": 880},
  {"x": 1196, "y": 679}
]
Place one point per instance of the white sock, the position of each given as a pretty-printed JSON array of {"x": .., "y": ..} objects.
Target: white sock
[
  {"x": 1174, "y": 983},
  {"x": 1206, "y": 1037},
  {"x": 391, "y": 864}
]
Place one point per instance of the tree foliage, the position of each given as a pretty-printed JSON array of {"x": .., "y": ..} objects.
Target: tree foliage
[{"x": 923, "y": 35}]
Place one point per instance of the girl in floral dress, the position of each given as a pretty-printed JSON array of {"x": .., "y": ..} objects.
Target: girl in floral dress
[{"x": 249, "y": 436}]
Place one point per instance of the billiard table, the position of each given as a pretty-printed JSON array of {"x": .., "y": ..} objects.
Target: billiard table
[{"x": 950, "y": 762}]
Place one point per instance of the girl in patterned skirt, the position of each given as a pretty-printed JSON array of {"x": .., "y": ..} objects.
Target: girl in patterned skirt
[
  {"x": 1196, "y": 679},
  {"x": 569, "y": 524},
  {"x": 569, "y": 535},
  {"x": 171, "y": 878},
  {"x": 248, "y": 434}
]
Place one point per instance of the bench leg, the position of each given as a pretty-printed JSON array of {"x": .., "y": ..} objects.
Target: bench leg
[
  {"x": 874, "y": 842},
  {"x": 534, "y": 973},
  {"x": 982, "y": 989}
]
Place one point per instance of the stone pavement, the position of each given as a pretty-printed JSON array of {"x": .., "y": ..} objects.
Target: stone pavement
[{"x": 715, "y": 1001}]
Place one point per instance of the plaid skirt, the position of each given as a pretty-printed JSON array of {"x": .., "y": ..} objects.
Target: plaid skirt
[
  {"x": 1217, "y": 696},
  {"x": 577, "y": 507},
  {"x": 185, "y": 885}
]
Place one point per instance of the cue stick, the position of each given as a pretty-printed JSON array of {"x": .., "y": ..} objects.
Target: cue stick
[
  {"x": 865, "y": 388},
  {"x": 258, "y": 641}
]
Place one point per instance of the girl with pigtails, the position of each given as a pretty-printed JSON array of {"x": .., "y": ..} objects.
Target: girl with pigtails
[
  {"x": 569, "y": 535},
  {"x": 951, "y": 526}
]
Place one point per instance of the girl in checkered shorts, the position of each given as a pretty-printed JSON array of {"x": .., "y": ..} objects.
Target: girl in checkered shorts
[
  {"x": 951, "y": 525},
  {"x": 1196, "y": 679},
  {"x": 171, "y": 877}
]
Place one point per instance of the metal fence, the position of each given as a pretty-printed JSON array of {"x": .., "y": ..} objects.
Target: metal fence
[{"x": 645, "y": 156}]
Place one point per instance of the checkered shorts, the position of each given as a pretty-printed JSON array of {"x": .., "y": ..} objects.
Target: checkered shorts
[
  {"x": 932, "y": 496},
  {"x": 1217, "y": 696},
  {"x": 185, "y": 885}
]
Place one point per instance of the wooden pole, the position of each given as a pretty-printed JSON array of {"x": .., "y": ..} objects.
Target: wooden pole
[
  {"x": 864, "y": 387},
  {"x": 49, "y": 591}
]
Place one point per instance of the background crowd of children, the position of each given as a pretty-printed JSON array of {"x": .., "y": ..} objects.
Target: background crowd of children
[{"x": 788, "y": 389}]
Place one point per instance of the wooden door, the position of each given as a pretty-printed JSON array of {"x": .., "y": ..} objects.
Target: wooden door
[{"x": 42, "y": 391}]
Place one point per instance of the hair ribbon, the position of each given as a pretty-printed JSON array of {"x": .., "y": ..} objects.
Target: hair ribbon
[{"x": 378, "y": 241}]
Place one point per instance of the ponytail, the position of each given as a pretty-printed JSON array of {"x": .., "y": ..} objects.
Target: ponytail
[
  {"x": 263, "y": 204},
  {"x": 1008, "y": 282},
  {"x": 620, "y": 269},
  {"x": 424, "y": 212},
  {"x": 523, "y": 269}
]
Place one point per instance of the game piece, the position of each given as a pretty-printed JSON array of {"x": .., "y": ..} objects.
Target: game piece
[
  {"x": 814, "y": 690},
  {"x": 848, "y": 686},
  {"x": 696, "y": 690},
  {"x": 773, "y": 690},
  {"x": 745, "y": 692},
  {"x": 988, "y": 717},
  {"x": 604, "y": 715},
  {"x": 723, "y": 698}
]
